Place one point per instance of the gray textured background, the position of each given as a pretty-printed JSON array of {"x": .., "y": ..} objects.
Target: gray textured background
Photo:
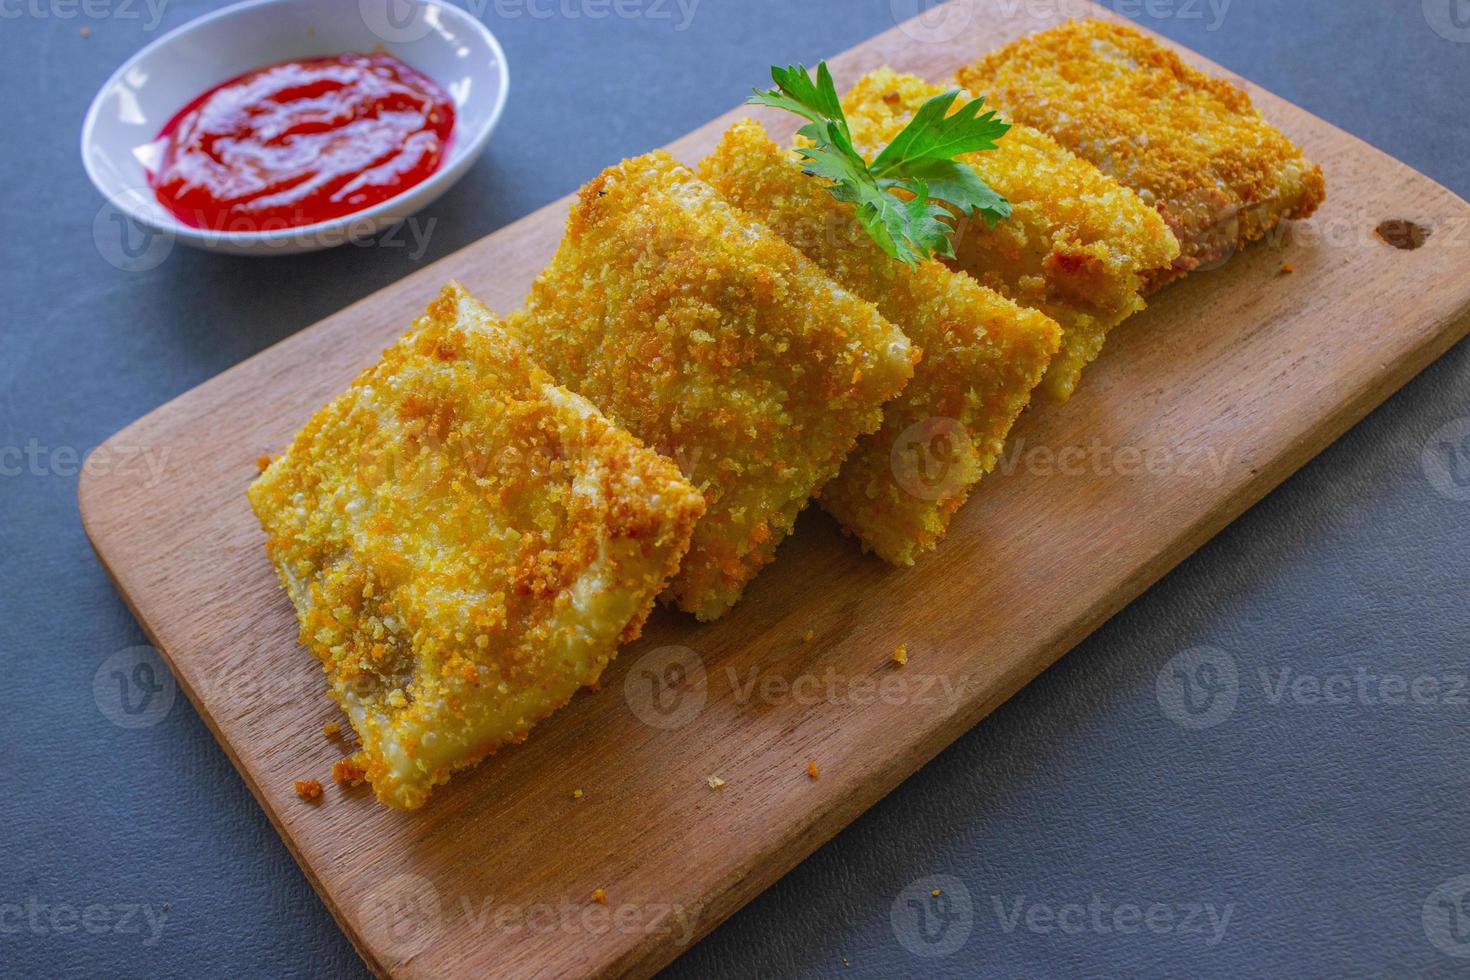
[{"x": 1322, "y": 830}]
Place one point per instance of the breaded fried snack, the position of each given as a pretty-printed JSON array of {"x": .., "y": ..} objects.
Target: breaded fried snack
[
  {"x": 983, "y": 354},
  {"x": 1078, "y": 246},
  {"x": 466, "y": 544},
  {"x": 718, "y": 344},
  {"x": 1191, "y": 145}
]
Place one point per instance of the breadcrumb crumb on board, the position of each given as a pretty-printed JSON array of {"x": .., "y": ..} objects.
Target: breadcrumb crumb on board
[{"x": 347, "y": 772}]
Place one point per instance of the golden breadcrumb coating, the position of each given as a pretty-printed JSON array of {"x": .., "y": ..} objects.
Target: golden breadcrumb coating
[
  {"x": 1191, "y": 145},
  {"x": 347, "y": 772},
  {"x": 983, "y": 354},
  {"x": 466, "y": 544},
  {"x": 720, "y": 345},
  {"x": 1078, "y": 245}
]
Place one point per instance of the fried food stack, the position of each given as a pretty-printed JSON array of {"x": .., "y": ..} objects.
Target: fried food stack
[
  {"x": 1078, "y": 246},
  {"x": 1191, "y": 145},
  {"x": 719, "y": 344},
  {"x": 983, "y": 354},
  {"x": 466, "y": 543},
  {"x": 469, "y": 531}
]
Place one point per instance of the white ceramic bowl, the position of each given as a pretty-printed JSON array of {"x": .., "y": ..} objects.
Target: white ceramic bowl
[{"x": 442, "y": 41}]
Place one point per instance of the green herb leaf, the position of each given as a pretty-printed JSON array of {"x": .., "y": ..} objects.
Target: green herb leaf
[
  {"x": 935, "y": 134},
  {"x": 883, "y": 215},
  {"x": 917, "y": 222},
  {"x": 796, "y": 92},
  {"x": 959, "y": 185}
]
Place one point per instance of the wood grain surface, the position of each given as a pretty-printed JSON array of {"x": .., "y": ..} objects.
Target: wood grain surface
[{"x": 1197, "y": 409}]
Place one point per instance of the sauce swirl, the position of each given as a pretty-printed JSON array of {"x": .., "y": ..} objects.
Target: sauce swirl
[{"x": 300, "y": 142}]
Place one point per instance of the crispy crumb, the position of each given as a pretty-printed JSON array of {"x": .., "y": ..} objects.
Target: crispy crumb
[
  {"x": 466, "y": 544},
  {"x": 1287, "y": 268},
  {"x": 308, "y": 789},
  {"x": 808, "y": 636},
  {"x": 332, "y": 730},
  {"x": 743, "y": 352},
  {"x": 599, "y": 896},
  {"x": 576, "y": 794},
  {"x": 901, "y": 654},
  {"x": 812, "y": 771},
  {"x": 715, "y": 782},
  {"x": 983, "y": 354},
  {"x": 347, "y": 772},
  {"x": 262, "y": 462},
  {"x": 1192, "y": 145},
  {"x": 1078, "y": 245}
]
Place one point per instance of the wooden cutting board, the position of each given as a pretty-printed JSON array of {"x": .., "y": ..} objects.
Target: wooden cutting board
[{"x": 1197, "y": 409}]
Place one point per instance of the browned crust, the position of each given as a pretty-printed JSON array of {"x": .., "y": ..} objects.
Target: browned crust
[{"x": 1191, "y": 145}]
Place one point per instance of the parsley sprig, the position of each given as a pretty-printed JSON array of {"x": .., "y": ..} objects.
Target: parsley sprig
[{"x": 917, "y": 224}]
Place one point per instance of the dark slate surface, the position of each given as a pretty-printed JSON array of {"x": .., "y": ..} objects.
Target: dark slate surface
[{"x": 1082, "y": 829}]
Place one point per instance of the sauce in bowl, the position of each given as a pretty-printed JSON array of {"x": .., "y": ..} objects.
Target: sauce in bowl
[{"x": 300, "y": 142}]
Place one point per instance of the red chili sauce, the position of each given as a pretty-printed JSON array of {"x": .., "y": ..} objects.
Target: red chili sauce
[{"x": 301, "y": 142}]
